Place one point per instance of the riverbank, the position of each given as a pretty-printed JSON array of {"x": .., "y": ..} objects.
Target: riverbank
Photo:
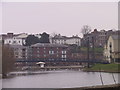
[
  {"x": 48, "y": 68},
  {"x": 99, "y": 87},
  {"x": 111, "y": 68}
]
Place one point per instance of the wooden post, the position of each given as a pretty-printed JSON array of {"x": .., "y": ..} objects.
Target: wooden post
[{"x": 101, "y": 77}]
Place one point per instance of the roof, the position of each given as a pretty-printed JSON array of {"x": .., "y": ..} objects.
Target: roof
[
  {"x": 17, "y": 46},
  {"x": 74, "y": 37},
  {"x": 40, "y": 63},
  {"x": 48, "y": 45},
  {"x": 64, "y": 37},
  {"x": 115, "y": 37}
]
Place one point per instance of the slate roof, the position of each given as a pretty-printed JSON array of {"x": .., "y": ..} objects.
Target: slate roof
[{"x": 48, "y": 45}]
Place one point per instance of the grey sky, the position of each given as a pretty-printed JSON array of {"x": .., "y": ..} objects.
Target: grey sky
[{"x": 65, "y": 18}]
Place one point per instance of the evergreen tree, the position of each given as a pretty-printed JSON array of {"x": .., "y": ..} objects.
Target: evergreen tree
[
  {"x": 44, "y": 38},
  {"x": 31, "y": 39}
]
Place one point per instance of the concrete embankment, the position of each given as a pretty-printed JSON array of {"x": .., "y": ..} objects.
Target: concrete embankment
[
  {"x": 49, "y": 68},
  {"x": 99, "y": 87}
]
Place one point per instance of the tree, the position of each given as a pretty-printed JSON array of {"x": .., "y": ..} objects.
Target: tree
[
  {"x": 53, "y": 34},
  {"x": 86, "y": 29},
  {"x": 74, "y": 48},
  {"x": 8, "y": 60},
  {"x": 44, "y": 38},
  {"x": 31, "y": 39}
]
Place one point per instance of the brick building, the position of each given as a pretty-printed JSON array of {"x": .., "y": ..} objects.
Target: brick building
[
  {"x": 48, "y": 52},
  {"x": 99, "y": 38}
]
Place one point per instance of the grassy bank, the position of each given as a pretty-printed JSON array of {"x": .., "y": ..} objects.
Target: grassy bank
[{"x": 104, "y": 67}]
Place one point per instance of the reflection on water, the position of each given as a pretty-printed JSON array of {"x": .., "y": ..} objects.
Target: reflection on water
[{"x": 59, "y": 79}]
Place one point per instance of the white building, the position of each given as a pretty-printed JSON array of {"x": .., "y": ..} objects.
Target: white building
[
  {"x": 65, "y": 40},
  {"x": 16, "y": 40},
  {"x": 112, "y": 50},
  {"x": 74, "y": 40}
]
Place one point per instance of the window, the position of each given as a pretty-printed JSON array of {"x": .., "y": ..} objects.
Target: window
[
  {"x": 63, "y": 56},
  {"x": 44, "y": 51},
  {"x": 51, "y": 52},
  {"x": 44, "y": 55},
  {"x": 23, "y": 49},
  {"x": 63, "y": 52},
  {"x": 38, "y": 55},
  {"x": 14, "y": 41},
  {"x": 9, "y": 41},
  {"x": 110, "y": 44},
  {"x": 38, "y": 51}
]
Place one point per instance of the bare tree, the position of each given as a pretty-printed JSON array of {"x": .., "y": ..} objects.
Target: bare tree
[
  {"x": 86, "y": 29},
  {"x": 8, "y": 60},
  {"x": 53, "y": 34}
]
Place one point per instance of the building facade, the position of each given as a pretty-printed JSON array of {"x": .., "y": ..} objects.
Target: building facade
[
  {"x": 99, "y": 38},
  {"x": 58, "y": 39},
  {"x": 20, "y": 52},
  {"x": 112, "y": 49},
  {"x": 48, "y": 52},
  {"x": 14, "y": 39}
]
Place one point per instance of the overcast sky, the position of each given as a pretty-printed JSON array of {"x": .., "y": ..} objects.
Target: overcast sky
[{"x": 60, "y": 17}]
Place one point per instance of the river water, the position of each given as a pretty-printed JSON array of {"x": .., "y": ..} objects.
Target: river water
[{"x": 59, "y": 79}]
